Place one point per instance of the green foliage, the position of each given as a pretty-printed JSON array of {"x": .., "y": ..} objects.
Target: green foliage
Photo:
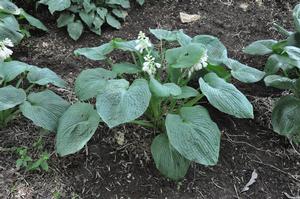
[
  {"x": 42, "y": 108},
  {"x": 160, "y": 95},
  {"x": 75, "y": 14},
  {"x": 29, "y": 163},
  {"x": 283, "y": 72},
  {"x": 10, "y": 28}
]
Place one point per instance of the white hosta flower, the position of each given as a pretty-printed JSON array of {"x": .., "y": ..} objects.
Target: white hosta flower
[
  {"x": 150, "y": 66},
  {"x": 202, "y": 63},
  {"x": 4, "y": 51},
  {"x": 143, "y": 42}
]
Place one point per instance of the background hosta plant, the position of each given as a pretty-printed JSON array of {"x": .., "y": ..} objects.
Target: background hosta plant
[
  {"x": 74, "y": 14},
  {"x": 160, "y": 97},
  {"x": 283, "y": 72},
  {"x": 18, "y": 94},
  {"x": 10, "y": 15}
]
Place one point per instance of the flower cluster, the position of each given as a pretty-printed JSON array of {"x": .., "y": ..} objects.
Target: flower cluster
[
  {"x": 150, "y": 66},
  {"x": 142, "y": 42},
  {"x": 201, "y": 64},
  {"x": 4, "y": 51}
]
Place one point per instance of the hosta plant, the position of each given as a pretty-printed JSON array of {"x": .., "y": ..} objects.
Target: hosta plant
[
  {"x": 283, "y": 72},
  {"x": 74, "y": 14},
  {"x": 10, "y": 15},
  {"x": 157, "y": 95},
  {"x": 23, "y": 90}
]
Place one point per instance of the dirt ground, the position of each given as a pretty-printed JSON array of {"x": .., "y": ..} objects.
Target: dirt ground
[{"x": 108, "y": 170}]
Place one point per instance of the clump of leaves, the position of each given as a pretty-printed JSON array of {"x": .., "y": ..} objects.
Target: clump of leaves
[
  {"x": 10, "y": 15},
  {"x": 283, "y": 72},
  {"x": 93, "y": 13},
  {"x": 27, "y": 162},
  {"x": 160, "y": 96},
  {"x": 18, "y": 84}
]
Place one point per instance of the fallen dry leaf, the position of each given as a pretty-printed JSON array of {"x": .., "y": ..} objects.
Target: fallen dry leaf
[
  {"x": 251, "y": 181},
  {"x": 187, "y": 18}
]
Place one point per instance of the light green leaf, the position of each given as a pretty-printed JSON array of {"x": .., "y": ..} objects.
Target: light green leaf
[
  {"x": 11, "y": 97},
  {"x": 296, "y": 17},
  {"x": 167, "y": 160},
  {"x": 75, "y": 29},
  {"x": 186, "y": 56},
  {"x": 65, "y": 19},
  {"x": 280, "y": 82},
  {"x": 225, "y": 96},
  {"x": 120, "y": 103},
  {"x": 126, "y": 68},
  {"x": 10, "y": 70},
  {"x": 261, "y": 47},
  {"x": 44, "y": 109},
  {"x": 216, "y": 51},
  {"x": 164, "y": 34},
  {"x": 187, "y": 92},
  {"x": 285, "y": 116},
  {"x": 243, "y": 72},
  {"x": 44, "y": 76},
  {"x": 123, "y": 3},
  {"x": 9, "y": 8},
  {"x": 163, "y": 90},
  {"x": 76, "y": 127},
  {"x": 91, "y": 82},
  {"x": 194, "y": 135},
  {"x": 95, "y": 53},
  {"x": 112, "y": 21},
  {"x": 33, "y": 21}
]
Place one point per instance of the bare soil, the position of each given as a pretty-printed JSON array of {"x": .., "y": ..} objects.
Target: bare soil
[{"x": 106, "y": 169}]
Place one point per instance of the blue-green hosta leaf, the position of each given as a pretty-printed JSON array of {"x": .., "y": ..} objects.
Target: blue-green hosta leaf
[
  {"x": 56, "y": 5},
  {"x": 225, "y": 96},
  {"x": 216, "y": 51},
  {"x": 44, "y": 76},
  {"x": 194, "y": 135},
  {"x": 125, "y": 45},
  {"x": 141, "y": 2},
  {"x": 280, "y": 82},
  {"x": 187, "y": 92},
  {"x": 120, "y": 13},
  {"x": 44, "y": 109},
  {"x": 186, "y": 56},
  {"x": 64, "y": 19},
  {"x": 261, "y": 47},
  {"x": 75, "y": 29},
  {"x": 87, "y": 18},
  {"x": 11, "y": 97},
  {"x": 243, "y": 72},
  {"x": 123, "y": 3},
  {"x": 112, "y": 21},
  {"x": 120, "y": 103},
  {"x": 126, "y": 68},
  {"x": 75, "y": 128},
  {"x": 91, "y": 82},
  {"x": 276, "y": 62},
  {"x": 162, "y": 34},
  {"x": 182, "y": 38},
  {"x": 9, "y": 7},
  {"x": 167, "y": 160},
  {"x": 33, "y": 21},
  {"x": 296, "y": 16},
  {"x": 95, "y": 53},
  {"x": 285, "y": 116},
  {"x": 293, "y": 52},
  {"x": 163, "y": 90},
  {"x": 9, "y": 28},
  {"x": 10, "y": 70},
  {"x": 102, "y": 12}
]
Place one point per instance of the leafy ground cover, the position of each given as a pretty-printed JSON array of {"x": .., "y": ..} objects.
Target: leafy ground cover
[{"x": 117, "y": 163}]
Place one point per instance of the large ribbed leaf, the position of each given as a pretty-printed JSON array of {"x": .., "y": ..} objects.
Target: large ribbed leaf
[
  {"x": 76, "y": 127},
  {"x": 44, "y": 109},
  {"x": 11, "y": 97},
  {"x": 163, "y": 90},
  {"x": 95, "y": 53},
  {"x": 194, "y": 135},
  {"x": 10, "y": 70},
  {"x": 225, "y": 96},
  {"x": 167, "y": 160},
  {"x": 261, "y": 47},
  {"x": 121, "y": 103}
]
